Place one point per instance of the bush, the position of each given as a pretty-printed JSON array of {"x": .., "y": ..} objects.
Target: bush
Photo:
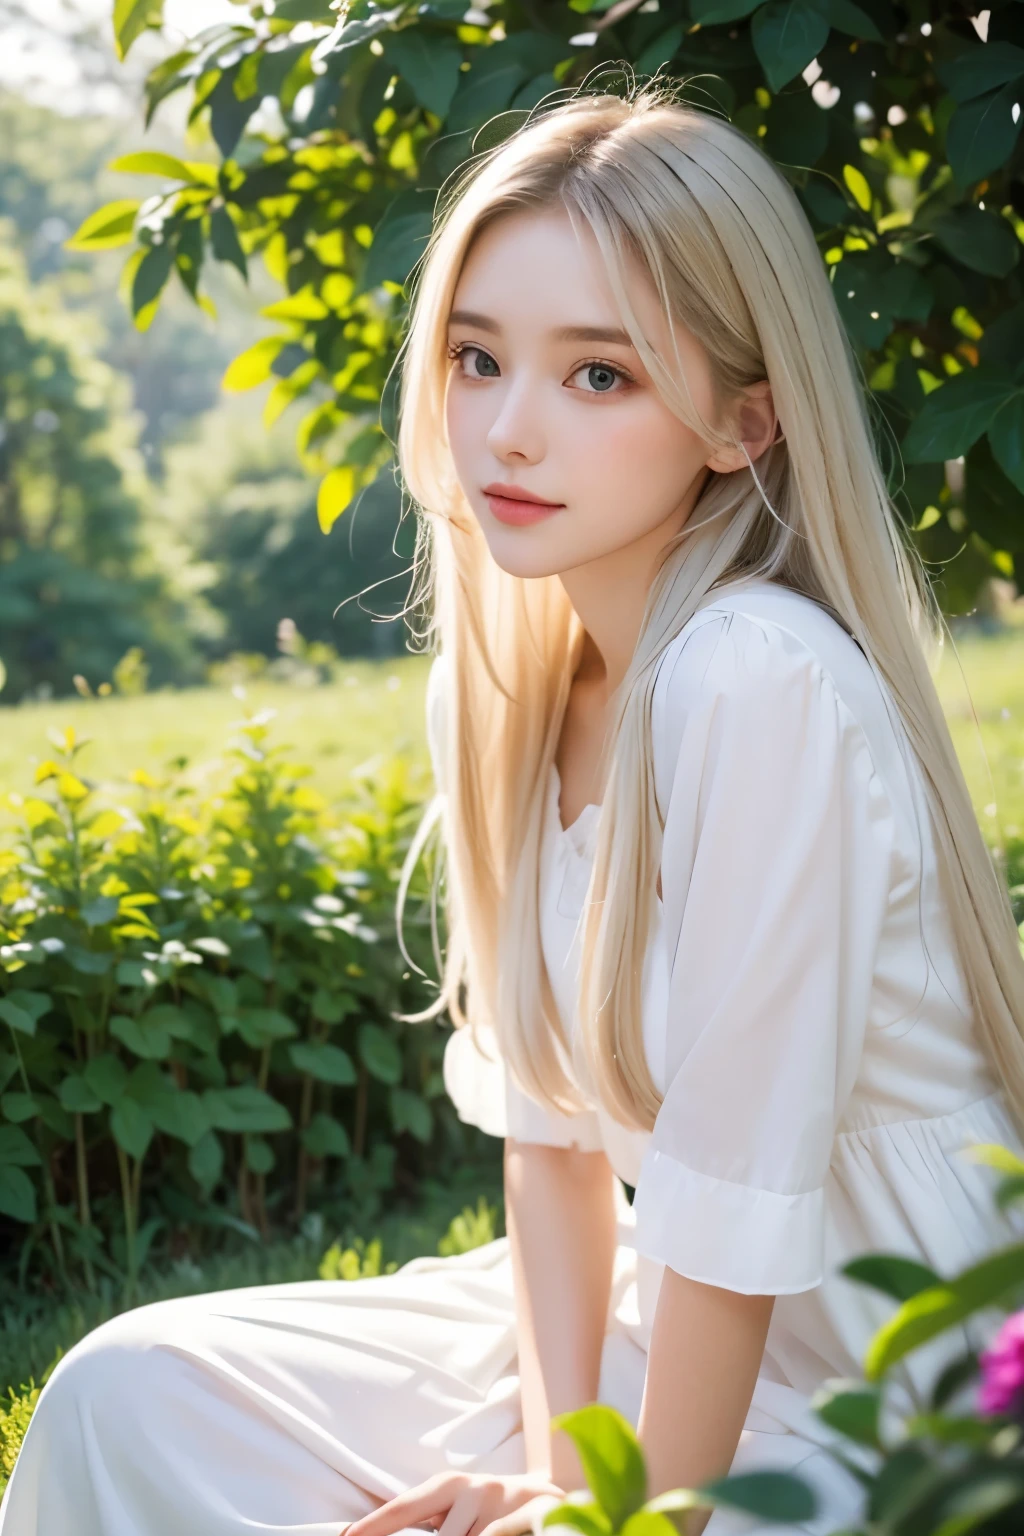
[
  {"x": 199, "y": 988},
  {"x": 952, "y": 1466}
]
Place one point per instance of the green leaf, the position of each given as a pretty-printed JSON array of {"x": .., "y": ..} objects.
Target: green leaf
[
  {"x": 252, "y": 366},
  {"x": 259, "y": 1155},
  {"x": 852, "y": 1409},
  {"x": 262, "y": 1026},
  {"x": 77, "y": 1097},
  {"x": 245, "y": 1109},
  {"x": 16, "y": 1150},
  {"x": 35, "y": 1004},
  {"x": 99, "y": 911},
  {"x": 18, "y": 1107},
  {"x": 943, "y": 1306},
  {"x": 150, "y": 1041},
  {"x": 587, "y": 1518},
  {"x": 429, "y": 64},
  {"x": 327, "y": 1063},
  {"x": 380, "y": 1054},
  {"x": 399, "y": 239},
  {"x": 153, "y": 271},
  {"x": 648, "y": 1522},
  {"x": 88, "y": 962},
  {"x": 332, "y": 1007},
  {"x": 849, "y": 18},
  {"x": 796, "y": 130},
  {"x": 131, "y": 1127},
  {"x": 17, "y": 1018},
  {"x": 107, "y": 1078},
  {"x": 410, "y": 1112},
  {"x": 980, "y": 239},
  {"x": 335, "y": 494},
  {"x": 891, "y": 1274},
  {"x": 225, "y": 242},
  {"x": 206, "y": 1161},
  {"x": 980, "y": 69},
  {"x": 176, "y": 1111},
  {"x": 787, "y": 35},
  {"x": 955, "y": 416},
  {"x": 713, "y": 12},
  {"x": 996, "y": 510},
  {"x": 176, "y": 1021},
  {"x": 132, "y": 18},
  {"x": 324, "y": 1137},
  {"x": 17, "y": 1195},
  {"x": 54, "y": 1116},
  {"x": 981, "y": 135},
  {"x": 152, "y": 162},
  {"x": 109, "y": 226},
  {"x": 1006, "y": 436},
  {"x": 661, "y": 50},
  {"x": 611, "y": 1458},
  {"x": 777, "y": 1496}
]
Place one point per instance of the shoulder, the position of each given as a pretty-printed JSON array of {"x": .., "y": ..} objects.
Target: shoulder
[{"x": 773, "y": 663}]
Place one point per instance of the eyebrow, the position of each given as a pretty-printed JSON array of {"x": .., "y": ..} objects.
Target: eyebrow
[{"x": 560, "y": 333}]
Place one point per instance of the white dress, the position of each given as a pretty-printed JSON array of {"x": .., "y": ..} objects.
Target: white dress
[{"x": 806, "y": 1023}]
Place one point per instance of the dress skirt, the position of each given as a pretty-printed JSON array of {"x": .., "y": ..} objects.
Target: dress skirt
[{"x": 289, "y": 1410}]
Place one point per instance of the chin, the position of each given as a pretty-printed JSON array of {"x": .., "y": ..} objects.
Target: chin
[{"x": 515, "y": 552}]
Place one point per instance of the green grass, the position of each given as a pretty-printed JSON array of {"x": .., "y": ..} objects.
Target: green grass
[
  {"x": 377, "y": 709},
  {"x": 334, "y": 728},
  {"x": 984, "y": 705}
]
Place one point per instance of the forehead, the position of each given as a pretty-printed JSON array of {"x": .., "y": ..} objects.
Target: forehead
[{"x": 536, "y": 265}]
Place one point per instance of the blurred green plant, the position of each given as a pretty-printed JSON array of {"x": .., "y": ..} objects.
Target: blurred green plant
[
  {"x": 470, "y": 1229},
  {"x": 198, "y": 991},
  {"x": 334, "y": 126},
  {"x": 953, "y": 1465}
]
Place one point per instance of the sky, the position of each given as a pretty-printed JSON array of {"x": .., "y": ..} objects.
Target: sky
[{"x": 38, "y": 59}]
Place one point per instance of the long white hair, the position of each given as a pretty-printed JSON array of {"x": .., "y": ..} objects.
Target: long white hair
[{"x": 732, "y": 257}]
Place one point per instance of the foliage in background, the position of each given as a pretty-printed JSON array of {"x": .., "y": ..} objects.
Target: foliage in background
[
  {"x": 198, "y": 999},
  {"x": 334, "y": 125},
  {"x": 79, "y": 584},
  {"x": 236, "y": 497},
  {"x": 953, "y": 1464}
]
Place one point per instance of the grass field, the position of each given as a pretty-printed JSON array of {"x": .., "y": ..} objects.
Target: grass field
[{"x": 377, "y": 709}]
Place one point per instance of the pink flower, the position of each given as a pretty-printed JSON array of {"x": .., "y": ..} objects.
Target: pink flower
[{"x": 1002, "y": 1370}]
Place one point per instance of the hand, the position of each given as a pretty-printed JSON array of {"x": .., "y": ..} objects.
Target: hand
[{"x": 465, "y": 1504}]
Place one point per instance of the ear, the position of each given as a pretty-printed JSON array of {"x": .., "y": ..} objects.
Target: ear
[{"x": 756, "y": 427}]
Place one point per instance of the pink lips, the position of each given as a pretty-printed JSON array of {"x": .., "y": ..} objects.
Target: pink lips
[{"x": 512, "y": 505}]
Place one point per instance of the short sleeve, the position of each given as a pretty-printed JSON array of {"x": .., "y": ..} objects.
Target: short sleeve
[
  {"x": 775, "y": 873},
  {"x": 475, "y": 1078}
]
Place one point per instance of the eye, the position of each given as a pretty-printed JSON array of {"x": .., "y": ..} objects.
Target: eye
[
  {"x": 601, "y": 378},
  {"x": 461, "y": 349}
]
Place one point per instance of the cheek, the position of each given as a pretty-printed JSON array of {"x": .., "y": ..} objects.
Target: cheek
[{"x": 639, "y": 448}]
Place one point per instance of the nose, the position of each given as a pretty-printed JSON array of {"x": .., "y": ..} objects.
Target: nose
[{"x": 517, "y": 429}]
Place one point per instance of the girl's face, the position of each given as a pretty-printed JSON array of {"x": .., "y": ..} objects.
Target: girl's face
[{"x": 547, "y": 395}]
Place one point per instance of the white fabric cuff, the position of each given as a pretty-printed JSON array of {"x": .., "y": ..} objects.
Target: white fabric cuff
[{"x": 748, "y": 1240}]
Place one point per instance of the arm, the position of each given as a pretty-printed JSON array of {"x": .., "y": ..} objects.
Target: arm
[
  {"x": 706, "y": 1349},
  {"x": 560, "y": 1217}
]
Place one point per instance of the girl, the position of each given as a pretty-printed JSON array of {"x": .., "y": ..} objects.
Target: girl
[{"x": 721, "y": 922}]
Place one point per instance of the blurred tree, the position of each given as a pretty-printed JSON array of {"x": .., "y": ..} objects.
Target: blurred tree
[
  {"x": 52, "y": 171},
  {"x": 236, "y": 493},
  {"x": 79, "y": 581}
]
